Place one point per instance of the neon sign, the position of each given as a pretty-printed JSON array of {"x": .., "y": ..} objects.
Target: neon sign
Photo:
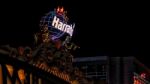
[
  {"x": 58, "y": 23},
  {"x": 63, "y": 27}
]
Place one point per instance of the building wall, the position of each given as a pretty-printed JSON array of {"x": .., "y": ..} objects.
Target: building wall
[
  {"x": 120, "y": 70},
  {"x": 1, "y": 77},
  {"x": 114, "y": 70},
  {"x": 128, "y": 69},
  {"x": 95, "y": 68}
]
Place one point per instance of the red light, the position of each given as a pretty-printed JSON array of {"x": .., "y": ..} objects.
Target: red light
[
  {"x": 143, "y": 75},
  {"x": 60, "y": 10},
  {"x": 137, "y": 80}
]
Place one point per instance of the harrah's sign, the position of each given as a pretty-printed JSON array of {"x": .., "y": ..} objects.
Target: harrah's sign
[{"x": 62, "y": 26}]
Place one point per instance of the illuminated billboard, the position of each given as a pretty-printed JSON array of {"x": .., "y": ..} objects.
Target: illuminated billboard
[{"x": 58, "y": 23}]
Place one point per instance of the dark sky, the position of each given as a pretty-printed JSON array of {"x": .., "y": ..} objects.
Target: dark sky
[
  {"x": 101, "y": 28},
  {"x": 21, "y": 19}
]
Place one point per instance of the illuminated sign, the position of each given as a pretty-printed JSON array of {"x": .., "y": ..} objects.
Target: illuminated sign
[
  {"x": 58, "y": 23},
  {"x": 62, "y": 26}
]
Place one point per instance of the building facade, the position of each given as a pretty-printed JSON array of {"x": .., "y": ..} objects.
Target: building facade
[
  {"x": 94, "y": 68},
  {"x": 114, "y": 70}
]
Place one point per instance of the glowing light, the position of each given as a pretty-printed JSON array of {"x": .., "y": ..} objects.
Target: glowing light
[
  {"x": 10, "y": 69},
  {"x": 60, "y": 10},
  {"x": 57, "y": 20},
  {"x": 62, "y": 26},
  {"x": 143, "y": 75},
  {"x": 139, "y": 79},
  {"x": 21, "y": 74}
]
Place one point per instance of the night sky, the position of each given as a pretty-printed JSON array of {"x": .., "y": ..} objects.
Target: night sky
[{"x": 101, "y": 29}]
